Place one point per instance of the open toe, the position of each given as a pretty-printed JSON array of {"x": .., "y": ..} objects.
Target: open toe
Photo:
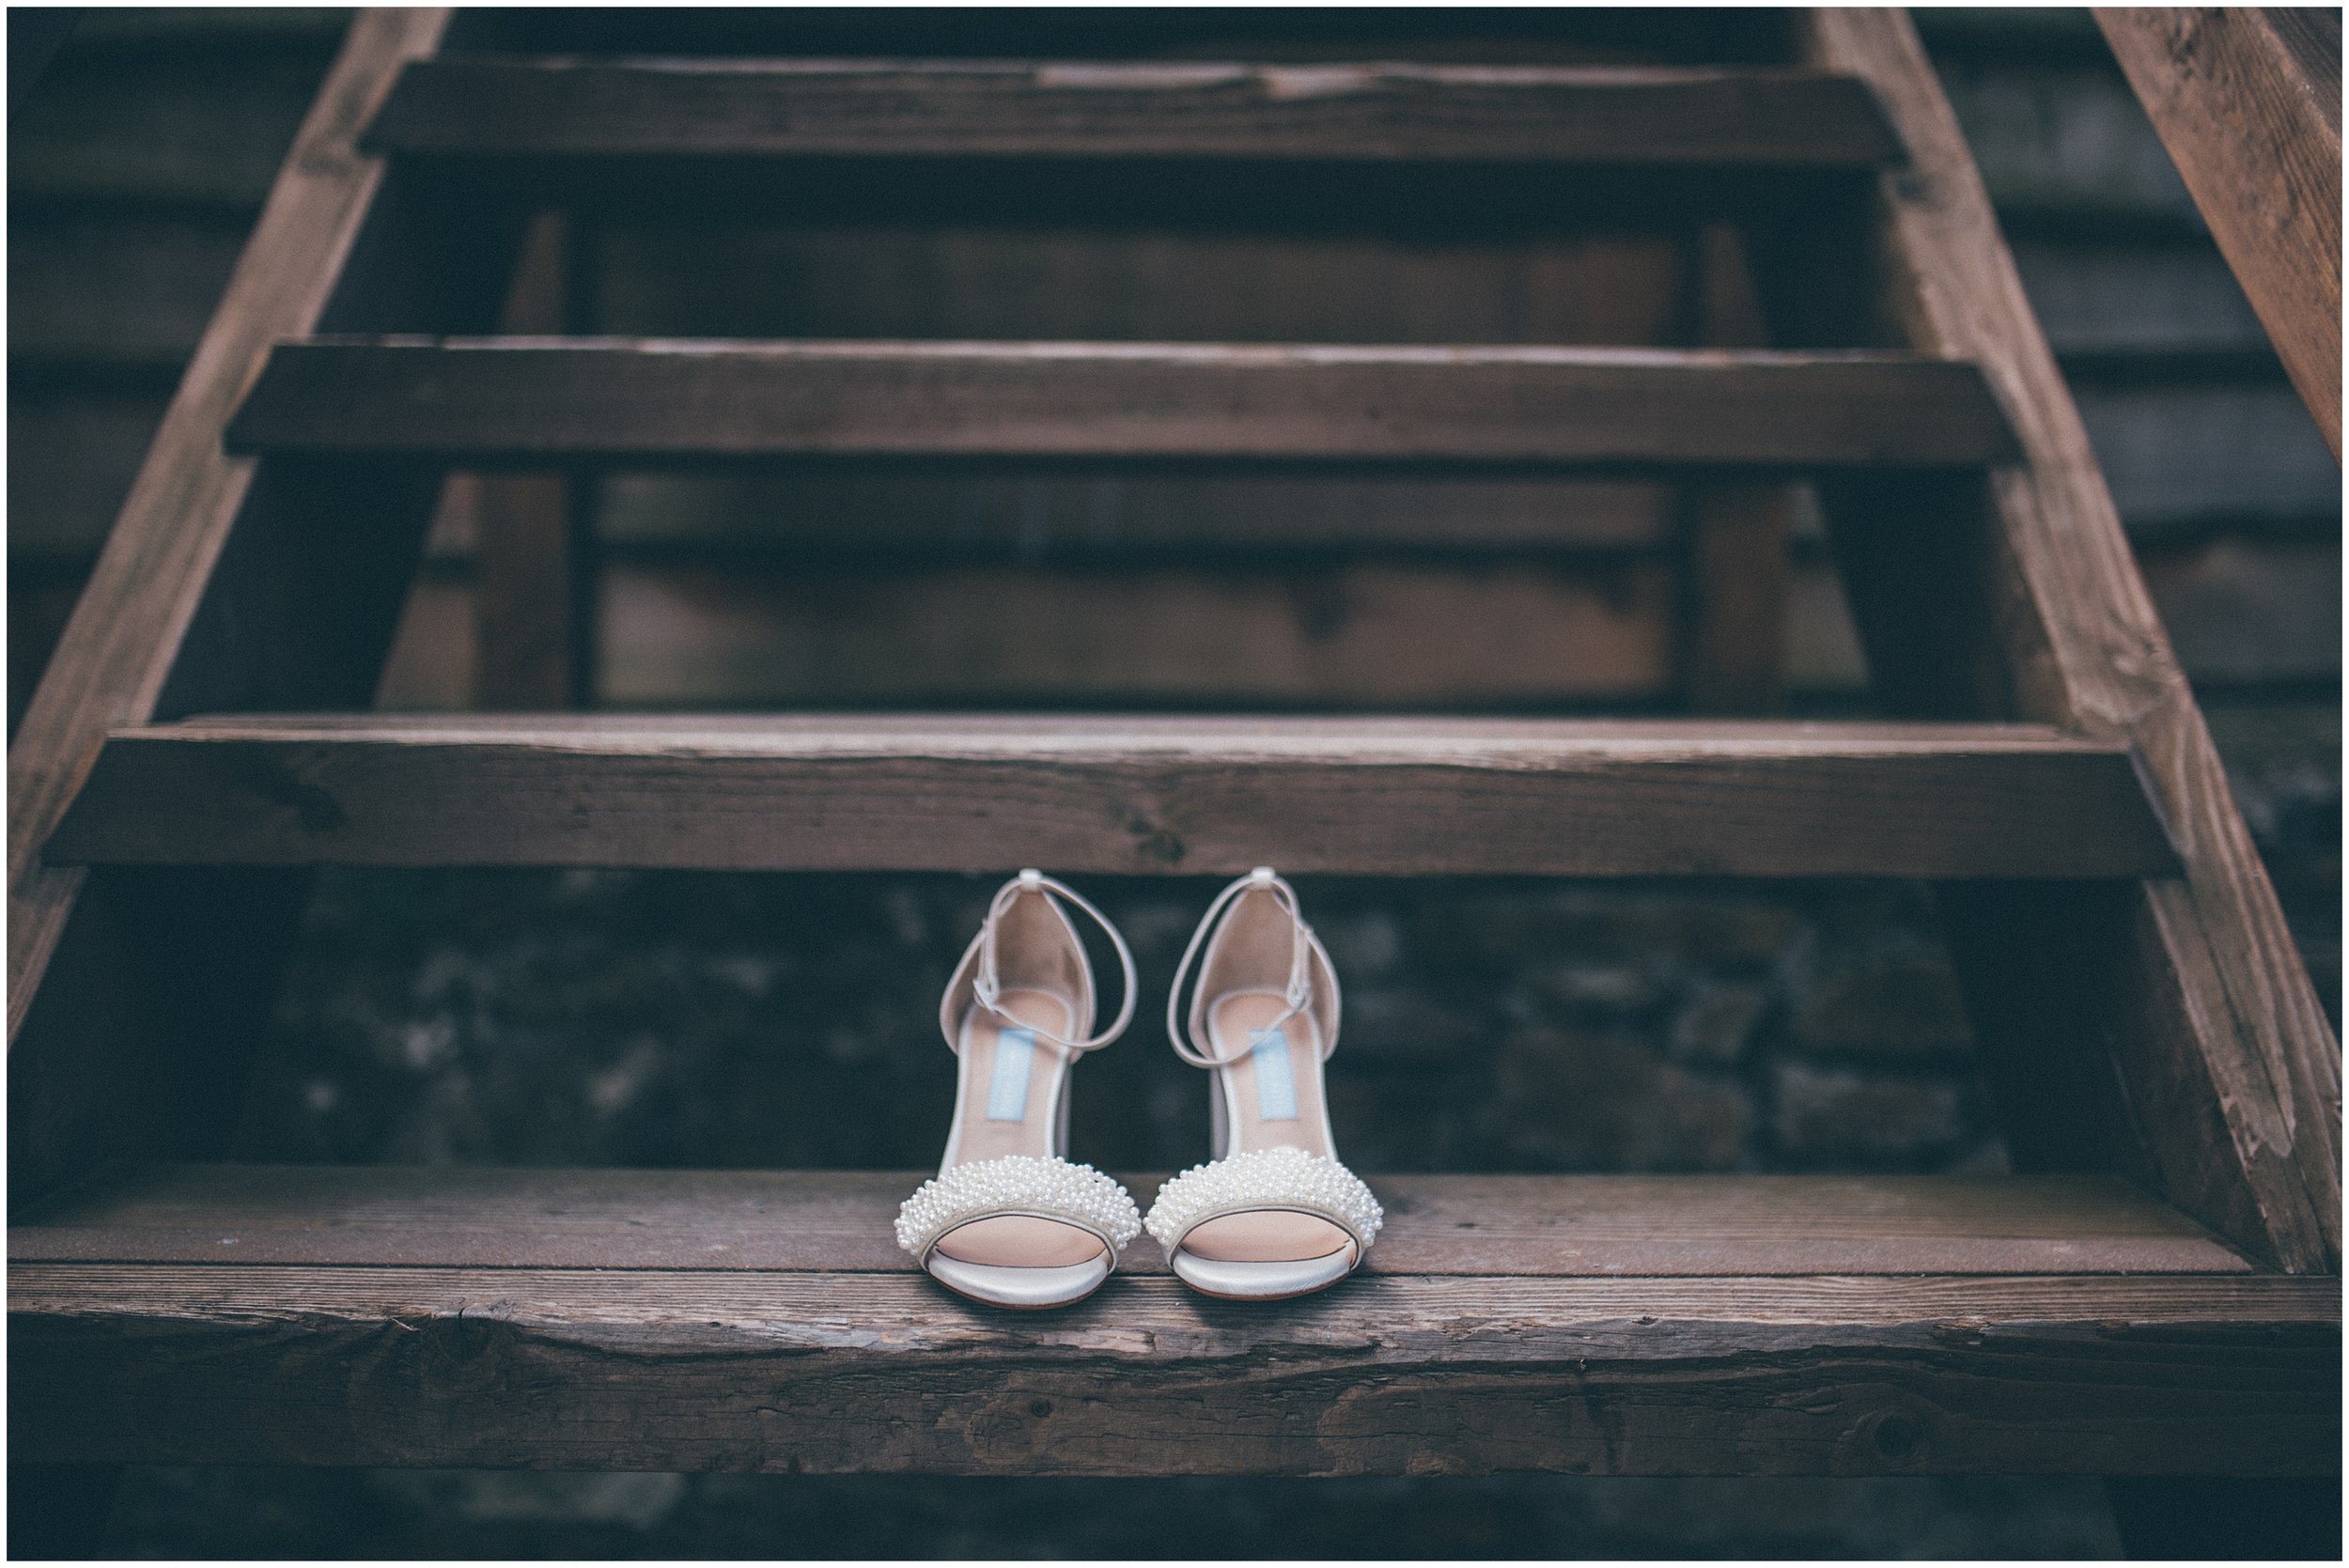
[
  {"x": 1009, "y": 1220},
  {"x": 1263, "y": 1254},
  {"x": 1017, "y": 1286},
  {"x": 1017, "y": 1260},
  {"x": 1262, "y": 1280},
  {"x": 1274, "y": 1214}
]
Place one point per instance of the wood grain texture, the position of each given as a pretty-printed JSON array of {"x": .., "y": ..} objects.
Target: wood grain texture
[
  {"x": 121, "y": 648},
  {"x": 579, "y": 108},
  {"x": 2247, "y": 103},
  {"x": 525, "y": 399},
  {"x": 837, "y": 1222},
  {"x": 734, "y": 630},
  {"x": 678, "y": 1370},
  {"x": 1127, "y": 794},
  {"x": 2083, "y": 648}
]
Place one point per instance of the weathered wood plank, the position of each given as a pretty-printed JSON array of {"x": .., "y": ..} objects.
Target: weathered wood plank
[
  {"x": 838, "y": 1221},
  {"x": 1044, "y": 33},
  {"x": 1127, "y": 794},
  {"x": 727, "y": 630},
  {"x": 2247, "y": 101},
  {"x": 2212, "y": 1034},
  {"x": 765, "y": 629},
  {"x": 1057, "y": 518},
  {"x": 1602, "y": 284},
  {"x": 826, "y": 1373},
  {"x": 527, "y": 399},
  {"x": 511, "y": 108}
]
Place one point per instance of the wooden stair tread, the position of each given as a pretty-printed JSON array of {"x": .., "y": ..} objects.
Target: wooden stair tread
[
  {"x": 670, "y": 1370},
  {"x": 571, "y": 108},
  {"x": 839, "y": 1222},
  {"x": 522, "y": 399},
  {"x": 1118, "y": 793},
  {"x": 606, "y": 1353}
]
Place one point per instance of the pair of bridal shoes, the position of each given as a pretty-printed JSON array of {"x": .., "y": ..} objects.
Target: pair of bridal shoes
[{"x": 1011, "y": 1221}]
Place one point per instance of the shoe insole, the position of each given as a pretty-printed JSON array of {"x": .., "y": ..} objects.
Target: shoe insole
[
  {"x": 1273, "y": 1096},
  {"x": 1011, "y": 1083}
]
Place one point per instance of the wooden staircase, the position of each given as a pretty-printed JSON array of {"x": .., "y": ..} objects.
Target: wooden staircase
[{"x": 2156, "y": 1296}]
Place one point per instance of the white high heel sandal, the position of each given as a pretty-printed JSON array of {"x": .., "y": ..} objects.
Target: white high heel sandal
[
  {"x": 1274, "y": 1214},
  {"x": 1009, "y": 1221}
]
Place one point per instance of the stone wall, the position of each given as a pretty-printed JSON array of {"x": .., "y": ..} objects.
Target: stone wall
[{"x": 675, "y": 1019}]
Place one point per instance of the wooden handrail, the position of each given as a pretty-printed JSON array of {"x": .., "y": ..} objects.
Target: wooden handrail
[{"x": 2248, "y": 100}]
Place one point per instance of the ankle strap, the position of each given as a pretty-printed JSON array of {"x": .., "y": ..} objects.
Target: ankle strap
[
  {"x": 987, "y": 984},
  {"x": 1299, "y": 993}
]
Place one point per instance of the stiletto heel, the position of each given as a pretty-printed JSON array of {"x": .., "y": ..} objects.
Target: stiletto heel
[
  {"x": 1008, "y": 1219},
  {"x": 1274, "y": 1214}
]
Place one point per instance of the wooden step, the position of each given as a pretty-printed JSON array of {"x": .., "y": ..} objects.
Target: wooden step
[
  {"x": 526, "y": 400},
  {"x": 1579, "y": 1227},
  {"x": 762, "y": 1321},
  {"x": 524, "y": 108},
  {"x": 1118, "y": 793}
]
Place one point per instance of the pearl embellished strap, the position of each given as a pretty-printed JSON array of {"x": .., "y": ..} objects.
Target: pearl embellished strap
[
  {"x": 1277, "y": 1178},
  {"x": 1042, "y": 1186}
]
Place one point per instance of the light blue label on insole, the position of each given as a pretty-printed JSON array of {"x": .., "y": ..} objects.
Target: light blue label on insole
[
  {"x": 1276, "y": 1085},
  {"x": 1008, "y": 1094}
]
